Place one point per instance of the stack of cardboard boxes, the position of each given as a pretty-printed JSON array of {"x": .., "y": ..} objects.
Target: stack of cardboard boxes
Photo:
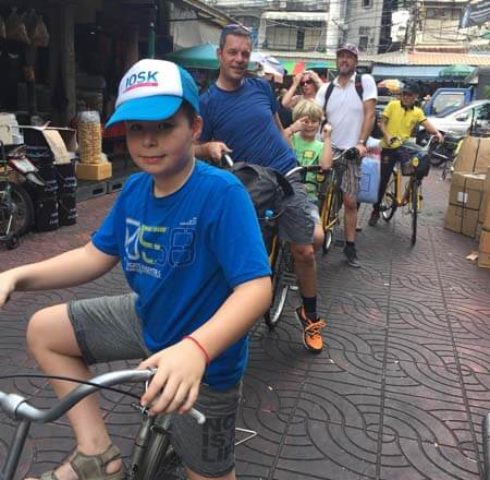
[
  {"x": 469, "y": 198},
  {"x": 484, "y": 250}
]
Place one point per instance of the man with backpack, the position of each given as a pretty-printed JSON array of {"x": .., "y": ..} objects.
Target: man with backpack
[{"x": 349, "y": 103}]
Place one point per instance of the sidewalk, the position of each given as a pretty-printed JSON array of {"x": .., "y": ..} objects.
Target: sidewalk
[{"x": 398, "y": 393}]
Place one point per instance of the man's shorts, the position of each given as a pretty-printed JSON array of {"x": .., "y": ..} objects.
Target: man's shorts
[
  {"x": 108, "y": 329},
  {"x": 296, "y": 224},
  {"x": 350, "y": 179}
]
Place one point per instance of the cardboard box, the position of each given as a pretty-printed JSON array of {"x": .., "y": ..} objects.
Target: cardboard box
[
  {"x": 485, "y": 208},
  {"x": 485, "y": 241},
  {"x": 466, "y": 158},
  {"x": 474, "y": 155},
  {"x": 484, "y": 260},
  {"x": 483, "y": 156},
  {"x": 465, "y": 201},
  {"x": 467, "y": 189},
  {"x": 93, "y": 171},
  {"x": 484, "y": 249},
  {"x": 61, "y": 141}
]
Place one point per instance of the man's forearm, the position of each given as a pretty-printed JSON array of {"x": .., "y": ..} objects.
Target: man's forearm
[
  {"x": 202, "y": 151},
  {"x": 367, "y": 125}
]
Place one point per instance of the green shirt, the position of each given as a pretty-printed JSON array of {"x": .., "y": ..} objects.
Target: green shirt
[{"x": 308, "y": 152}]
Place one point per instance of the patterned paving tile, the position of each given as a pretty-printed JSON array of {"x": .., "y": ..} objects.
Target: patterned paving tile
[{"x": 399, "y": 392}]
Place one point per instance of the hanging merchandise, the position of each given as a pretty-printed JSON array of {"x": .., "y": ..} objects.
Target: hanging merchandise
[
  {"x": 15, "y": 28},
  {"x": 38, "y": 33},
  {"x": 3, "y": 33}
]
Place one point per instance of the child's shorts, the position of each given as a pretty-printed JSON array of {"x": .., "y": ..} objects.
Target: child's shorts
[{"x": 108, "y": 329}]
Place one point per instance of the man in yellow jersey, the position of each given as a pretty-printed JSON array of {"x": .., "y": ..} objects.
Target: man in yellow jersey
[{"x": 398, "y": 123}]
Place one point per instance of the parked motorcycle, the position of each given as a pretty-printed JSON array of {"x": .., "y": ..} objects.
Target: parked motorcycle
[
  {"x": 16, "y": 207},
  {"x": 445, "y": 153}
]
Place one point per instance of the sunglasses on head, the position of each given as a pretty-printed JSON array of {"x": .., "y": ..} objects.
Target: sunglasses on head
[{"x": 236, "y": 27}]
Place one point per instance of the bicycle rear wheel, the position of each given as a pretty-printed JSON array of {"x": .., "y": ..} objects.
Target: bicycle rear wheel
[
  {"x": 279, "y": 288},
  {"x": 415, "y": 205},
  {"x": 21, "y": 210},
  {"x": 388, "y": 204}
]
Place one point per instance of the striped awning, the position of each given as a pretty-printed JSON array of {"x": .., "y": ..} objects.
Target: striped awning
[{"x": 414, "y": 72}]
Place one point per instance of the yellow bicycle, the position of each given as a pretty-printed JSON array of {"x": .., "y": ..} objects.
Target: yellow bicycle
[
  {"x": 409, "y": 196},
  {"x": 330, "y": 194}
]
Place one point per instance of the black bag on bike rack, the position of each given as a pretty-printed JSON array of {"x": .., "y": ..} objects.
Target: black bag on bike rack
[
  {"x": 268, "y": 190},
  {"x": 266, "y": 187}
]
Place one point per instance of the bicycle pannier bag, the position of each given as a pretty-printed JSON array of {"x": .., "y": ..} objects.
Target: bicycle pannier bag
[{"x": 266, "y": 187}]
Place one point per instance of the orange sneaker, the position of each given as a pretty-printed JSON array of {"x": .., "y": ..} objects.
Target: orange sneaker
[{"x": 312, "y": 331}]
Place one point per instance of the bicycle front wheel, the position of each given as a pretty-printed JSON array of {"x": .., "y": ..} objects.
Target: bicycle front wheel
[
  {"x": 160, "y": 459},
  {"x": 16, "y": 216},
  {"x": 415, "y": 205},
  {"x": 388, "y": 204},
  {"x": 329, "y": 217},
  {"x": 279, "y": 288}
]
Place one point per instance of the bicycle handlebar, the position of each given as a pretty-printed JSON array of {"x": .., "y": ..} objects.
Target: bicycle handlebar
[{"x": 17, "y": 407}]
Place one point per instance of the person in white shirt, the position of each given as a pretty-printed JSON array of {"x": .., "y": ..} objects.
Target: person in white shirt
[{"x": 349, "y": 104}]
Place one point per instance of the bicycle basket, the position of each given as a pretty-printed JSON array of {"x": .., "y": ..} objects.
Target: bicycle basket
[{"x": 414, "y": 162}]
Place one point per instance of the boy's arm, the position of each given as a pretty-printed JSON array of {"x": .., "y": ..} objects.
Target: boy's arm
[
  {"x": 68, "y": 269},
  {"x": 232, "y": 320},
  {"x": 326, "y": 157},
  {"x": 383, "y": 126}
]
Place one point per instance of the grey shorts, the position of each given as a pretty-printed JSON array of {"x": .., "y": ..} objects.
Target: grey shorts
[
  {"x": 296, "y": 224},
  {"x": 108, "y": 329}
]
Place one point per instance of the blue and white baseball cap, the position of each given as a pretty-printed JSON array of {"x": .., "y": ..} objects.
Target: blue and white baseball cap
[{"x": 153, "y": 90}]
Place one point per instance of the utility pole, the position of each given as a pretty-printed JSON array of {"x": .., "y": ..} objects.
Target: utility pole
[{"x": 415, "y": 14}]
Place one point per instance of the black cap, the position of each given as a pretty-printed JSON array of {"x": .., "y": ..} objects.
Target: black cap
[{"x": 410, "y": 88}]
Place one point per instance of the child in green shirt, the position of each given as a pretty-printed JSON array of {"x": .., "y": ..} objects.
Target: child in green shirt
[{"x": 309, "y": 150}]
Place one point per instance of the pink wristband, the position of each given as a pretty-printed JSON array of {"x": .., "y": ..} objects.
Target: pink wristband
[{"x": 203, "y": 350}]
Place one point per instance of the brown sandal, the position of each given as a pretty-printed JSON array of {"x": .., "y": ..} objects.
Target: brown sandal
[{"x": 92, "y": 467}]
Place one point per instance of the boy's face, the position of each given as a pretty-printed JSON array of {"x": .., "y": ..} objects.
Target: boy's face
[
  {"x": 163, "y": 148},
  {"x": 310, "y": 128},
  {"x": 409, "y": 99}
]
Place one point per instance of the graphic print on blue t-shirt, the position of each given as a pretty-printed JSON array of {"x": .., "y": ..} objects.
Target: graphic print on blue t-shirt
[
  {"x": 244, "y": 120},
  {"x": 150, "y": 248},
  {"x": 183, "y": 254}
]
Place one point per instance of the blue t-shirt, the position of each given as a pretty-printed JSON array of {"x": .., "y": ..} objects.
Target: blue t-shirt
[
  {"x": 183, "y": 254},
  {"x": 244, "y": 120}
]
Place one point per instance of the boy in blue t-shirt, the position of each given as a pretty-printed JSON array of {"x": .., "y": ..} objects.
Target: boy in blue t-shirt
[{"x": 189, "y": 243}]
